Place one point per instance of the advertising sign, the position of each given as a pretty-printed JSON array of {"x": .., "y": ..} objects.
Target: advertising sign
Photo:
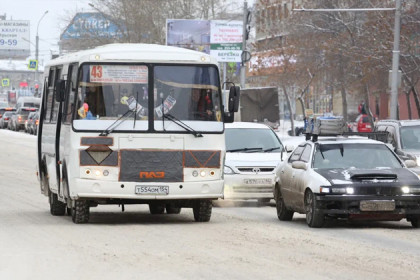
[
  {"x": 90, "y": 24},
  {"x": 226, "y": 40},
  {"x": 14, "y": 39},
  {"x": 118, "y": 74},
  {"x": 188, "y": 33},
  {"x": 221, "y": 39}
]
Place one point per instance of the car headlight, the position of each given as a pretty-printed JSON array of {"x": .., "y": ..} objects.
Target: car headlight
[{"x": 228, "y": 170}]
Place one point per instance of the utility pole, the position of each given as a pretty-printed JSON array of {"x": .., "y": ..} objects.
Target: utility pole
[
  {"x": 245, "y": 20},
  {"x": 395, "y": 62},
  {"x": 37, "y": 48}
]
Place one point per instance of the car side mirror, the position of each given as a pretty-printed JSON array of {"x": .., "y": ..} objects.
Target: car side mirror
[
  {"x": 289, "y": 148},
  {"x": 233, "y": 103},
  {"x": 299, "y": 165},
  {"x": 410, "y": 163},
  {"x": 60, "y": 90}
]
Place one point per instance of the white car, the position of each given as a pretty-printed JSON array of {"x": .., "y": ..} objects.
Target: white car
[
  {"x": 253, "y": 153},
  {"x": 347, "y": 178}
]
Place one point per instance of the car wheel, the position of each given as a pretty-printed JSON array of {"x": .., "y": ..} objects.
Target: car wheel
[
  {"x": 172, "y": 209},
  {"x": 57, "y": 208},
  {"x": 202, "y": 210},
  {"x": 282, "y": 212},
  {"x": 80, "y": 212},
  {"x": 156, "y": 208},
  {"x": 313, "y": 217}
]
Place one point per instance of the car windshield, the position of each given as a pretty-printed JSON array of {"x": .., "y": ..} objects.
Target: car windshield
[
  {"x": 410, "y": 137},
  {"x": 252, "y": 140},
  {"x": 361, "y": 156}
]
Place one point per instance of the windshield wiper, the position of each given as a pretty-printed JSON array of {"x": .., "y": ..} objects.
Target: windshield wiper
[
  {"x": 245, "y": 149},
  {"x": 182, "y": 124},
  {"x": 108, "y": 130},
  {"x": 271, "y": 149}
]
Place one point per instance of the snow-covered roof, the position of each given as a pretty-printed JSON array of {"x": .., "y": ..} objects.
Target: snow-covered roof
[
  {"x": 16, "y": 65},
  {"x": 136, "y": 52}
]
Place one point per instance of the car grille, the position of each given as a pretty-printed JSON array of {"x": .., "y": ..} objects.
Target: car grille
[
  {"x": 378, "y": 191},
  {"x": 256, "y": 169},
  {"x": 253, "y": 189}
]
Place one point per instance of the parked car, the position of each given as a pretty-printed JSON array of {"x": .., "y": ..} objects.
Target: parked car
[
  {"x": 253, "y": 152},
  {"x": 33, "y": 124},
  {"x": 4, "y": 120},
  {"x": 30, "y": 116},
  {"x": 351, "y": 178},
  {"x": 361, "y": 124},
  {"x": 404, "y": 137},
  {"x": 6, "y": 109},
  {"x": 18, "y": 119}
]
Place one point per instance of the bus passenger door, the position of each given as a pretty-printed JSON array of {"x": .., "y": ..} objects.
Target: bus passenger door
[
  {"x": 49, "y": 130},
  {"x": 67, "y": 109}
]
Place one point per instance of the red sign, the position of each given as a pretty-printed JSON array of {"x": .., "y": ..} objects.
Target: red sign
[{"x": 23, "y": 84}]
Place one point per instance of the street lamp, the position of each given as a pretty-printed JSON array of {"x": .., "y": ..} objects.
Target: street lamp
[{"x": 37, "y": 46}]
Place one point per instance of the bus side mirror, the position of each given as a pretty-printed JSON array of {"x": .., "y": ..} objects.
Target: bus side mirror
[
  {"x": 60, "y": 90},
  {"x": 228, "y": 117},
  {"x": 233, "y": 105}
]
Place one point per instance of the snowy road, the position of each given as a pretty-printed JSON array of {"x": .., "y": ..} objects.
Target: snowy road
[{"x": 242, "y": 241}]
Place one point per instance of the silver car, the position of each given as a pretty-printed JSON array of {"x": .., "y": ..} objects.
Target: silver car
[{"x": 253, "y": 153}]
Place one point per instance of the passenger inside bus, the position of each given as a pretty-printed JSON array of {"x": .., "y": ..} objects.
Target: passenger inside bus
[{"x": 201, "y": 105}]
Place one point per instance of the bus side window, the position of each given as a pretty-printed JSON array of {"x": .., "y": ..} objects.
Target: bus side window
[
  {"x": 55, "y": 107},
  {"x": 49, "y": 96},
  {"x": 70, "y": 93}
]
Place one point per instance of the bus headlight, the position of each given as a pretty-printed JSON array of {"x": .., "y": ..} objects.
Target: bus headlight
[{"x": 97, "y": 173}]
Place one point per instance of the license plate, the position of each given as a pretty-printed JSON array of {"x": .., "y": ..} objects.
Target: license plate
[
  {"x": 377, "y": 205},
  {"x": 159, "y": 190},
  {"x": 266, "y": 181}
]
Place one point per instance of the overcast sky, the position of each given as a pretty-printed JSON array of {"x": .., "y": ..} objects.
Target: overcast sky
[{"x": 54, "y": 22}]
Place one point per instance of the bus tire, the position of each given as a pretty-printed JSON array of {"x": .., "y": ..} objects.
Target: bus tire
[
  {"x": 202, "y": 210},
  {"x": 57, "y": 208},
  {"x": 172, "y": 209},
  {"x": 80, "y": 212}
]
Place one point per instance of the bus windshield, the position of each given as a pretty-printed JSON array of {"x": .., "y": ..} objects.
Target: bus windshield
[{"x": 188, "y": 93}]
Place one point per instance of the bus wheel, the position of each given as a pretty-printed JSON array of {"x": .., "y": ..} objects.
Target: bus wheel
[
  {"x": 172, "y": 209},
  {"x": 156, "y": 208},
  {"x": 57, "y": 208},
  {"x": 80, "y": 212},
  {"x": 202, "y": 210}
]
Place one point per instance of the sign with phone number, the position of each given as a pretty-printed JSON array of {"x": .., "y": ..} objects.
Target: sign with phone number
[{"x": 14, "y": 35}]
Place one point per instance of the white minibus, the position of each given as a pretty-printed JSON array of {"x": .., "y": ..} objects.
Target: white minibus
[{"x": 133, "y": 124}]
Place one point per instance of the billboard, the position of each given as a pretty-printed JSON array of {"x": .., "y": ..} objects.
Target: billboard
[
  {"x": 90, "y": 25},
  {"x": 188, "y": 33},
  {"x": 14, "y": 38},
  {"x": 221, "y": 39}
]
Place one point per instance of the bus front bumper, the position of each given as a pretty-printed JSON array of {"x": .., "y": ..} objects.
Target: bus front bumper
[{"x": 85, "y": 188}]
